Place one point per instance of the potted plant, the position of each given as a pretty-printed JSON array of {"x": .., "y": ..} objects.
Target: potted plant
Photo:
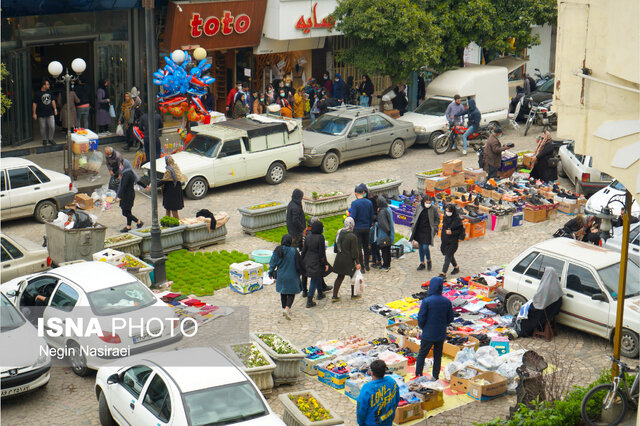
[
  {"x": 126, "y": 243},
  {"x": 170, "y": 235},
  {"x": 263, "y": 216},
  {"x": 257, "y": 364},
  {"x": 286, "y": 356},
  {"x": 388, "y": 187},
  {"x": 305, "y": 408},
  {"x": 197, "y": 235},
  {"x": 422, "y": 176},
  {"x": 324, "y": 205}
]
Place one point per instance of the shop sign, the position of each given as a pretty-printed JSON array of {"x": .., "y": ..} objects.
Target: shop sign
[
  {"x": 306, "y": 25},
  {"x": 226, "y": 25}
]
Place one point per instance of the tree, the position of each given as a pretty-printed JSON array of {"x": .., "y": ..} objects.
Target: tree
[{"x": 5, "y": 102}]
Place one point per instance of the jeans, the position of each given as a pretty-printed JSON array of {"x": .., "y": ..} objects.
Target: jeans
[
  {"x": 449, "y": 260},
  {"x": 315, "y": 284},
  {"x": 471, "y": 129},
  {"x": 47, "y": 127},
  {"x": 375, "y": 253},
  {"x": 287, "y": 300},
  {"x": 364, "y": 101},
  {"x": 423, "y": 251},
  {"x": 83, "y": 117},
  {"x": 363, "y": 245},
  {"x": 425, "y": 347},
  {"x": 313, "y": 117}
]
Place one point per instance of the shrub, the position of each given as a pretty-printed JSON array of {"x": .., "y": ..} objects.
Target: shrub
[{"x": 169, "y": 222}]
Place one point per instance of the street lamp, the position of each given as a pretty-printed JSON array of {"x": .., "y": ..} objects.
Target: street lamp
[{"x": 55, "y": 68}]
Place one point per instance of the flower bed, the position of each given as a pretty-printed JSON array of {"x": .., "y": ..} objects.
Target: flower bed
[
  {"x": 171, "y": 238},
  {"x": 388, "y": 187},
  {"x": 285, "y": 355},
  {"x": 307, "y": 408},
  {"x": 263, "y": 216},
  {"x": 257, "y": 364},
  {"x": 197, "y": 235},
  {"x": 126, "y": 243},
  {"x": 323, "y": 205}
]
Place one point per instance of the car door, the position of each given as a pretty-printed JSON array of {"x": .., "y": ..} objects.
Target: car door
[
  {"x": 29, "y": 305},
  {"x": 124, "y": 396},
  {"x": 5, "y": 196},
  {"x": 358, "y": 143},
  {"x": 61, "y": 304},
  {"x": 579, "y": 309},
  {"x": 230, "y": 163},
  {"x": 634, "y": 242},
  {"x": 26, "y": 191},
  {"x": 11, "y": 259},
  {"x": 156, "y": 407},
  {"x": 382, "y": 134},
  {"x": 530, "y": 280}
]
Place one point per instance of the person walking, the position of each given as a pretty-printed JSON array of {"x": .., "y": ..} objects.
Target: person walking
[
  {"x": 473, "y": 122},
  {"x": 103, "y": 118},
  {"x": 286, "y": 266},
  {"x": 379, "y": 398},
  {"x": 542, "y": 165},
  {"x": 127, "y": 194},
  {"x": 70, "y": 120},
  {"x": 492, "y": 154},
  {"x": 346, "y": 263},
  {"x": 126, "y": 119},
  {"x": 436, "y": 313},
  {"x": 144, "y": 126},
  {"x": 361, "y": 211},
  {"x": 172, "y": 181},
  {"x": 365, "y": 91},
  {"x": 295, "y": 218},
  {"x": 84, "y": 105},
  {"x": 44, "y": 110},
  {"x": 452, "y": 232},
  {"x": 424, "y": 228},
  {"x": 315, "y": 261},
  {"x": 386, "y": 233}
]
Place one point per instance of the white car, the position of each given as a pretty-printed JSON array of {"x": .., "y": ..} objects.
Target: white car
[
  {"x": 29, "y": 190},
  {"x": 70, "y": 299},
  {"x": 589, "y": 277},
  {"x": 195, "y": 386},
  {"x": 25, "y": 367},
  {"x": 612, "y": 195},
  {"x": 577, "y": 168},
  {"x": 21, "y": 257},
  {"x": 615, "y": 242}
]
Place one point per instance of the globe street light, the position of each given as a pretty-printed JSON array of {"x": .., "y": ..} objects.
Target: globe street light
[{"x": 55, "y": 68}]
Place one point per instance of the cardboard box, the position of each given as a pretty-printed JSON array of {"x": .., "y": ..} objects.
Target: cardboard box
[
  {"x": 451, "y": 350},
  {"x": 506, "y": 174},
  {"x": 460, "y": 384},
  {"x": 535, "y": 216},
  {"x": 477, "y": 175},
  {"x": 451, "y": 167},
  {"x": 526, "y": 160},
  {"x": 434, "y": 400},
  {"x": 567, "y": 208},
  {"x": 482, "y": 392},
  {"x": 408, "y": 412},
  {"x": 393, "y": 113},
  {"x": 83, "y": 201},
  {"x": 335, "y": 380},
  {"x": 456, "y": 180},
  {"x": 478, "y": 229},
  {"x": 110, "y": 256},
  {"x": 400, "y": 339},
  {"x": 484, "y": 290},
  {"x": 436, "y": 183},
  {"x": 245, "y": 277},
  {"x": 495, "y": 195},
  {"x": 501, "y": 223},
  {"x": 517, "y": 220}
]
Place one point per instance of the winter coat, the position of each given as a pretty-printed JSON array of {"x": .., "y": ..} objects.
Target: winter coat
[
  {"x": 295, "y": 216},
  {"x": 288, "y": 269},
  {"x": 366, "y": 88},
  {"x": 361, "y": 211},
  {"x": 298, "y": 105},
  {"x": 541, "y": 169},
  {"x": 314, "y": 256},
  {"x": 114, "y": 161},
  {"x": 436, "y": 313},
  {"x": 71, "y": 120},
  {"x": 126, "y": 192},
  {"x": 385, "y": 221},
  {"x": 400, "y": 102},
  {"x": 473, "y": 112},
  {"x": 493, "y": 153},
  {"x": 347, "y": 257},
  {"x": 328, "y": 86},
  {"x": 239, "y": 109},
  {"x": 433, "y": 216},
  {"x": 339, "y": 88},
  {"x": 102, "y": 108},
  {"x": 450, "y": 242}
]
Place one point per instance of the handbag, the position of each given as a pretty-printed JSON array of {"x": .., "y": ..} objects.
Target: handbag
[
  {"x": 384, "y": 242},
  {"x": 553, "y": 162},
  {"x": 112, "y": 111}
]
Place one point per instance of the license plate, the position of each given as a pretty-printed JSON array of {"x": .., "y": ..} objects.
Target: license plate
[
  {"x": 145, "y": 338},
  {"x": 16, "y": 390}
]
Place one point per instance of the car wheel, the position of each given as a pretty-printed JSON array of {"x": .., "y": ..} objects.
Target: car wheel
[
  {"x": 514, "y": 303},
  {"x": 106, "y": 419},
  {"x": 77, "y": 359},
  {"x": 330, "y": 162},
  {"x": 397, "y": 149},
  {"x": 433, "y": 137},
  {"x": 276, "y": 173},
  {"x": 629, "y": 344},
  {"x": 197, "y": 188},
  {"x": 561, "y": 172},
  {"x": 45, "y": 211}
]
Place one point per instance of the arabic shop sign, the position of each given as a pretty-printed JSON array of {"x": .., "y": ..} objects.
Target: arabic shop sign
[{"x": 306, "y": 25}]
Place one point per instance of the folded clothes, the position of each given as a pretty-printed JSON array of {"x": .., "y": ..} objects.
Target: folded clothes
[
  {"x": 181, "y": 297},
  {"x": 190, "y": 302}
]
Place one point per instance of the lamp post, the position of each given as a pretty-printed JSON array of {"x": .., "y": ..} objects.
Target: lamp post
[{"x": 55, "y": 68}]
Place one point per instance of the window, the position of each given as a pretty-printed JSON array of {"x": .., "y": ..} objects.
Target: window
[
  {"x": 43, "y": 178},
  {"x": 203, "y": 145},
  {"x": 433, "y": 106},
  {"x": 5, "y": 255},
  {"x": 11, "y": 249},
  {"x": 231, "y": 148},
  {"x": 522, "y": 266},
  {"x": 224, "y": 404},
  {"x": 134, "y": 379},
  {"x": 65, "y": 298},
  {"x": 20, "y": 178},
  {"x": 536, "y": 269},
  {"x": 10, "y": 318},
  {"x": 40, "y": 286},
  {"x": 378, "y": 123},
  {"x": 330, "y": 125},
  {"x": 2, "y": 180},
  {"x": 359, "y": 127},
  {"x": 611, "y": 274},
  {"x": 247, "y": 146},
  {"x": 581, "y": 280},
  {"x": 120, "y": 299},
  {"x": 157, "y": 399}
]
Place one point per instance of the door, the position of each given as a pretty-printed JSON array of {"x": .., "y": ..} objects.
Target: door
[
  {"x": 382, "y": 134},
  {"x": 17, "y": 123},
  {"x": 62, "y": 302},
  {"x": 634, "y": 242},
  {"x": 5, "y": 196},
  {"x": 579, "y": 309},
  {"x": 530, "y": 280},
  {"x": 124, "y": 396},
  {"x": 358, "y": 143},
  {"x": 35, "y": 297},
  {"x": 11, "y": 259},
  {"x": 156, "y": 406},
  {"x": 111, "y": 64},
  {"x": 26, "y": 191},
  {"x": 230, "y": 164}
]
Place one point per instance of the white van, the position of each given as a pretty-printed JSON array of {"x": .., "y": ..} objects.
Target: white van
[{"x": 487, "y": 85}]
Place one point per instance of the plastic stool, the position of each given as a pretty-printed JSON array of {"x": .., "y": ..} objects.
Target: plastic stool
[{"x": 501, "y": 344}]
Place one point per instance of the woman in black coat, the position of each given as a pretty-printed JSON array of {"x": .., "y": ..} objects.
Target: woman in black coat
[
  {"x": 346, "y": 263},
  {"x": 543, "y": 168},
  {"x": 314, "y": 258},
  {"x": 452, "y": 232},
  {"x": 127, "y": 195}
]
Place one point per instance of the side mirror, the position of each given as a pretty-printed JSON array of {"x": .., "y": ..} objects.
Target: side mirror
[
  {"x": 599, "y": 297},
  {"x": 113, "y": 379},
  {"x": 12, "y": 293}
]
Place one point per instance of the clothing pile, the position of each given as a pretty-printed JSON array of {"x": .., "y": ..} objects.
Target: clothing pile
[{"x": 195, "y": 309}]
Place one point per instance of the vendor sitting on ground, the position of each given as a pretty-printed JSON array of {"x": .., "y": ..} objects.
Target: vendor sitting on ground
[
  {"x": 543, "y": 307},
  {"x": 574, "y": 228}
]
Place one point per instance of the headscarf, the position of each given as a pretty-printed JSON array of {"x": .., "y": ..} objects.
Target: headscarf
[
  {"x": 542, "y": 142},
  {"x": 549, "y": 289},
  {"x": 172, "y": 172},
  {"x": 102, "y": 84},
  {"x": 349, "y": 223},
  {"x": 296, "y": 196},
  {"x": 126, "y": 107},
  {"x": 317, "y": 228},
  {"x": 435, "y": 286},
  {"x": 286, "y": 241},
  {"x": 126, "y": 166}
]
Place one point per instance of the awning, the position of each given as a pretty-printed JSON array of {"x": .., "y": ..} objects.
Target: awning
[
  {"x": 269, "y": 45},
  {"x": 511, "y": 63}
]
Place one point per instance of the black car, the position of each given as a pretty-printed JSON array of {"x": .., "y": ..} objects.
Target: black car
[{"x": 541, "y": 94}]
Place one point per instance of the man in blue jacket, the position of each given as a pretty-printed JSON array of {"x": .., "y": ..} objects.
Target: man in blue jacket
[
  {"x": 378, "y": 399},
  {"x": 473, "y": 122},
  {"x": 362, "y": 213},
  {"x": 434, "y": 316}
]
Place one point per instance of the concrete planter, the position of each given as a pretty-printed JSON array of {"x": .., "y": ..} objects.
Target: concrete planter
[
  {"x": 325, "y": 207},
  {"x": 131, "y": 245},
  {"x": 171, "y": 239},
  {"x": 287, "y": 365},
  {"x": 261, "y": 376},
  {"x": 196, "y": 235},
  {"x": 422, "y": 176},
  {"x": 294, "y": 417},
  {"x": 388, "y": 190},
  {"x": 254, "y": 220}
]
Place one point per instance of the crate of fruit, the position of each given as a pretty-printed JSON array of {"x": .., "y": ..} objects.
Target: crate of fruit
[{"x": 137, "y": 268}]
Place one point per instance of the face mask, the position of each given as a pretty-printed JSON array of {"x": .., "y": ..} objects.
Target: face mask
[
  {"x": 282, "y": 94},
  {"x": 261, "y": 99},
  {"x": 449, "y": 213},
  {"x": 427, "y": 205},
  {"x": 271, "y": 92},
  {"x": 239, "y": 88},
  {"x": 287, "y": 84}
]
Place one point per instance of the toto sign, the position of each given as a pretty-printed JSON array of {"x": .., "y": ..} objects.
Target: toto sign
[{"x": 226, "y": 25}]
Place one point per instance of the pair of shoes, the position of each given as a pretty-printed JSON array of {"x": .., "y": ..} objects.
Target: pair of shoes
[
  {"x": 455, "y": 270},
  {"x": 311, "y": 304},
  {"x": 335, "y": 299},
  {"x": 356, "y": 296},
  {"x": 421, "y": 267},
  {"x": 383, "y": 269},
  {"x": 286, "y": 314},
  {"x": 140, "y": 225},
  {"x": 51, "y": 142},
  {"x": 321, "y": 296},
  {"x": 125, "y": 230},
  {"x": 327, "y": 288}
]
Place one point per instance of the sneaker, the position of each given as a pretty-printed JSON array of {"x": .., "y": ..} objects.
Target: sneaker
[
  {"x": 125, "y": 230},
  {"x": 383, "y": 269},
  {"x": 455, "y": 270},
  {"x": 464, "y": 152},
  {"x": 286, "y": 314},
  {"x": 356, "y": 296},
  {"x": 311, "y": 304},
  {"x": 420, "y": 267},
  {"x": 335, "y": 299},
  {"x": 140, "y": 225}
]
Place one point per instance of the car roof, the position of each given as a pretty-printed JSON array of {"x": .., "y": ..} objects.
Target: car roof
[
  {"x": 92, "y": 276},
  {"x": 10, "y": 162},
  {"x": 570, "y": 249},
  {"x": 219, "y": 131},
  {"x": 353, "y": 112}
]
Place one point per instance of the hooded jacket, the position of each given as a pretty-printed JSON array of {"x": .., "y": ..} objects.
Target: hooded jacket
[
  {"x": 450, "y": 242},
  {"x": 338, "y": 88},
  {"x": 473, "y": 112},
  {"x": 314, "y": 255},
  {"x": 287, "y": 265},
  {"x": 295, "y": 215},
  {"x": 128, "y": 179},
  {"x": 385, "y": 220},
  {"x": 436, "y": 313}
]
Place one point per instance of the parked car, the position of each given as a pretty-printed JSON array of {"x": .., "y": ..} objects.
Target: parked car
[
  {"x": 615, "y": 242},
  {"x": 541, "y": 94},
  {"x": 25, "y": 367},
  {"x": 82, "y": 291},
  {"x": 589, "y": 277},
  {"x": 237, "y": 150},
  {"x": 612, "y": 196},
  {"x": 29, "y": 190},
  {"x": 345, "y": 134},
  {"x": 578, "y": 169},
  {"x": 195, "y": 386},
  {"x": 22, "y": 257}
]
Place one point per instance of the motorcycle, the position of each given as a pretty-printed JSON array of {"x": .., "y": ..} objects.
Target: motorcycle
[
  {"x": 476, "y": 140},
  {"x": 541, "y": 115},
  {"x": 541, "y": 79}
]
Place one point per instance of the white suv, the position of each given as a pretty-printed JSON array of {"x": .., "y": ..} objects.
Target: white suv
[
  {"x": 30, "y": 190},
  {"x": 589, "y": 277}
]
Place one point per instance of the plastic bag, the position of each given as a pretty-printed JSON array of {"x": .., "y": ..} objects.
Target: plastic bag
[
  {"x": 120, "y": 130},
  {"x": 60, "y": 220},
  {"x": 95, "y": 161},
  {"x": 112, "y": 111},
  {"x": 266, "y": 279},
  {"x": 466, "y": 354},
  {"x": 488, "y": 357},
  {"x": 449, "y": 369},
  {"x": 358, "y": 283},
  {"x": 408, "y": 247}
]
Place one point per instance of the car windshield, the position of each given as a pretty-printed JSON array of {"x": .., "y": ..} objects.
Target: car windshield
[
  {"x": 10, "y": 318},
  {"x": 120, "y": 299},
  {"x": 224, "y": 405},
  {"x": 330, "y": 125},
  {"x": 203, "y": 145},
  {"x": 433, "y": 106},
  {"x": 547, "y": 86},
  {"x": 611, "y": 274},
  {"x": 617, "y": 186}
]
